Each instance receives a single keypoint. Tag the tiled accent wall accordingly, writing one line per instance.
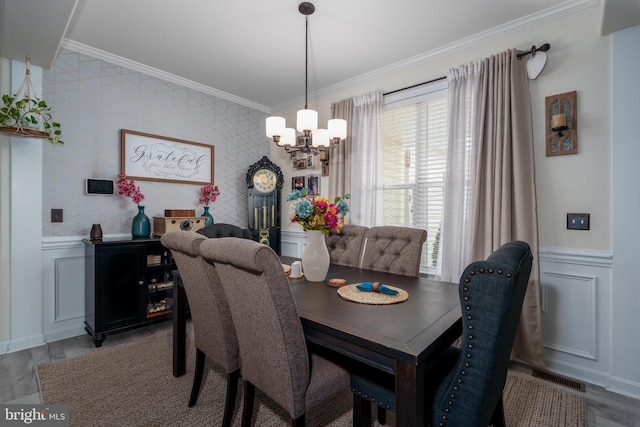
(93, 100)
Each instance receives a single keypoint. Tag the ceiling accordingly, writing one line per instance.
(253, 51)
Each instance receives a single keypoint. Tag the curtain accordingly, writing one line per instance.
(496, 202)
(463, 99)
(366, 140)
(340, 157)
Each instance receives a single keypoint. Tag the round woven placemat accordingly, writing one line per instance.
(352, 293)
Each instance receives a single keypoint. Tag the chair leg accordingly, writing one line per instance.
(382, 416)
(197, 377)
(497, 418)
(249, 394)
(298, 422)
(230, 404)
(361, 412)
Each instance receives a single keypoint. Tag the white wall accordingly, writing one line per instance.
(579, 60)
(42, 298)
(588, 320)
(25, 222)
(626, 205)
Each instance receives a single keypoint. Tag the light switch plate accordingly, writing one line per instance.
(578, 221)
(56, 215)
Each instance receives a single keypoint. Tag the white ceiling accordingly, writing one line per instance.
(254, 50)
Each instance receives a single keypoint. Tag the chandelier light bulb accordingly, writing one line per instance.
(275, 126)
(337, 128)
(288, 138)
(307, 120)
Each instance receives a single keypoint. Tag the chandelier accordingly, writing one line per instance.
(312, 140)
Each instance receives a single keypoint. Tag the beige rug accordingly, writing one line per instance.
(132, 385)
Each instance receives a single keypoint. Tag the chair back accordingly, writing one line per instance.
(345, 248)
(491, 296)
(225, 230)
(394, 249)
(213, 328)
(270, 336)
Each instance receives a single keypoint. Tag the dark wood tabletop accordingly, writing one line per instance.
(402, 339)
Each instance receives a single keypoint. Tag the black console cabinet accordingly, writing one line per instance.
(129, 284)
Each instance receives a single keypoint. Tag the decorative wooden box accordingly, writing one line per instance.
(180, 213)
(163, 224)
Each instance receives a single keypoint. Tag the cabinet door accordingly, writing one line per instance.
(119, 281)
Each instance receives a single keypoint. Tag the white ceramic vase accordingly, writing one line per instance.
(315, 257)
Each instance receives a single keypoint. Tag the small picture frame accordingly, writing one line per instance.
(300, 142)
(297, 183)
(325, 169)
(300, 164)
(313, 184)
(310, 161)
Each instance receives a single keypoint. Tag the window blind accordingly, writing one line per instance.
(414, 160)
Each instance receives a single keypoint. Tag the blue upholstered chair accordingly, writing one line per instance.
(464, 387)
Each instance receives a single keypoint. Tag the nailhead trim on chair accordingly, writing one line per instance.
(467, 365)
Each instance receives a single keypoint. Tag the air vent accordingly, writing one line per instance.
(557, 379)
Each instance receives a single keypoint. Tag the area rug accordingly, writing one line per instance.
(132, 385)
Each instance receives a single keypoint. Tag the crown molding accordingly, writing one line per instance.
(154, 72)
(549, 14)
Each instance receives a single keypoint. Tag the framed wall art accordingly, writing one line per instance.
(159, 158)
(313, 184)
(297, 183)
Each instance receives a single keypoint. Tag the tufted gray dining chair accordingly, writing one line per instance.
(345, 248)
(272, 344)
(225, 230)
(394, 249)
(213, 330)
(464, 387)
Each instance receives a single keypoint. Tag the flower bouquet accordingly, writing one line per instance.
(317, 213)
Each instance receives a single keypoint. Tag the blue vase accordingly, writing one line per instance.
(141, 226)
(208, 219)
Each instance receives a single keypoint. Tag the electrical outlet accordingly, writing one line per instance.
(578, 221)
(56, 215)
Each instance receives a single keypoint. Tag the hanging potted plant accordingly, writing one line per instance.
(25, 115)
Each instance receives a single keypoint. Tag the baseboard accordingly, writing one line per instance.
(64, 333)
(624, 387)
(577, 372)
(25, 343)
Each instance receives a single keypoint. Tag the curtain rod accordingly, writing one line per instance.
(545, 47)
(416, 85)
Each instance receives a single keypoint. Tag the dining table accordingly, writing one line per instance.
(402, 339)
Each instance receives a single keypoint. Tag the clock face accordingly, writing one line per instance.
(264, 180)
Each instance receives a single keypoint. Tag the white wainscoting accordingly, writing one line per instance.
(576, 301)
(292, 243)
(63, 288)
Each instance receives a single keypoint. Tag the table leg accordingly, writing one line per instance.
(410, 407)
(179, 326)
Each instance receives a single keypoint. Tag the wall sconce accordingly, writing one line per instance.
(561, 122)
(324, 157)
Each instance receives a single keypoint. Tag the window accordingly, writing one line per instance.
(414, 125)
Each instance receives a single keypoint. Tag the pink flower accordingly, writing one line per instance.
(128, 188)
(208, 193)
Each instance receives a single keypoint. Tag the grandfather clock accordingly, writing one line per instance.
(264, 180)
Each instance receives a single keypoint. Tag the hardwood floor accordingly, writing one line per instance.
(18, 382)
